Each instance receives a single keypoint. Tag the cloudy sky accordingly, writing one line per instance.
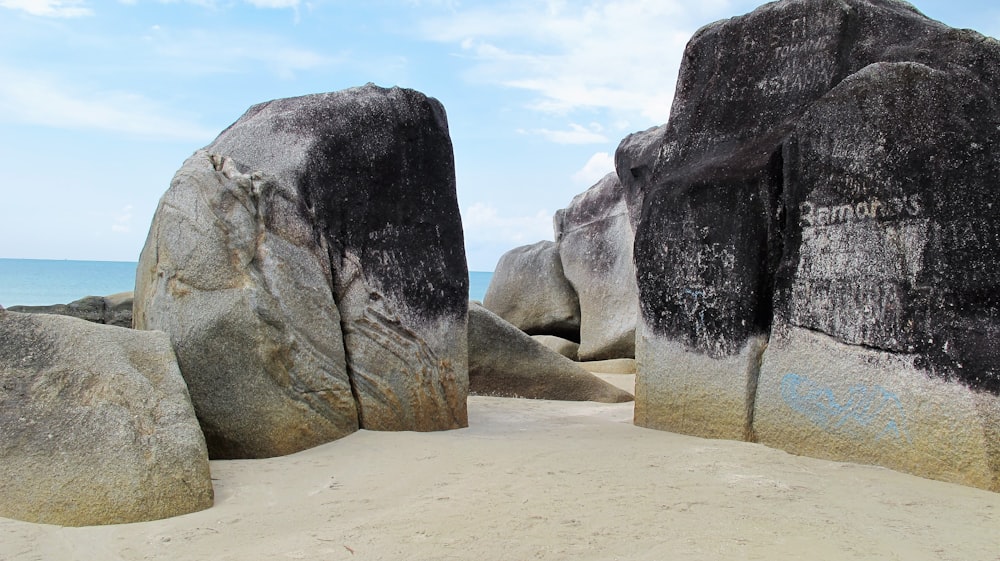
(101, 101)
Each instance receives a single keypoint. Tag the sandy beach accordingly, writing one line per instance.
(532, 479)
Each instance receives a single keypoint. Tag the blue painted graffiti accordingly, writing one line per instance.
(864, 412)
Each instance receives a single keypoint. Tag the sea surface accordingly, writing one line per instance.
(42, 282)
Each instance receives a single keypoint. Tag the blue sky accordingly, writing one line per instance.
(101, 101)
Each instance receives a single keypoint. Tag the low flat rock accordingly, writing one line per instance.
(506, 362)
(115, 309)
(96, 425)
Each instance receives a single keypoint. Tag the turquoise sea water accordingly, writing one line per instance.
(41, 282)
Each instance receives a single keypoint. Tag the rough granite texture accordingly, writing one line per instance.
(828, 171)
(96, 426)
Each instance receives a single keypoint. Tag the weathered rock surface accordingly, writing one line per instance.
(96, 426)
(815, 254)
(565, 347)
(245, 294)
(610, 366)
(115, 309)
(595, 241)
(310, 269)
(529, 289)
(506, 362)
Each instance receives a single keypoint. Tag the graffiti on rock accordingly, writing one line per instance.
(865, 412)
(908, 206)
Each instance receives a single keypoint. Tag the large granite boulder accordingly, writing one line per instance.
(309, 267)
(96, 426)
(529, 289)
(506, 362)
(115, 309)
(815, 254)
(595, 240)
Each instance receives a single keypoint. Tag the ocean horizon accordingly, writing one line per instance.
(43, 282)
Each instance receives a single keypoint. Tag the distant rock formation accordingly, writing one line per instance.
(530, 290)
(96, 426)
(115, 309)
(565, 347)
(595, 241)
(309, 267)
(582, 286)
(506, 362)
(817, 240)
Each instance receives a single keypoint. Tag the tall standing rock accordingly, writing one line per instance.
(309, 265)
(595, 240)
(814, 249)
(890, 274)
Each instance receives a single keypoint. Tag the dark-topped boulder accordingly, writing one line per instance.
(595, 241)
(309, 266)
(96, 426)
(115, 309)
(530, 290)
(506, 362)
(815, 258)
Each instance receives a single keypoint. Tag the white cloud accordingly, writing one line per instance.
(49, 8)
(435, 3)
(577, 134)
(274, 3)
(232, 53)
(32, 98)
(599, 165)
(621, 56)
(483, 223)
(226, 4)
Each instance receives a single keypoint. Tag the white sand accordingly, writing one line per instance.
(546, 480)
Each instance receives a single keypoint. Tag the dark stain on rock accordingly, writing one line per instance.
(381, 184)
(831, 164)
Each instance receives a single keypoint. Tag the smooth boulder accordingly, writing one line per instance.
(530, 290)
(595, 241)
(96, 425)
(506, 362)
(565, 347)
